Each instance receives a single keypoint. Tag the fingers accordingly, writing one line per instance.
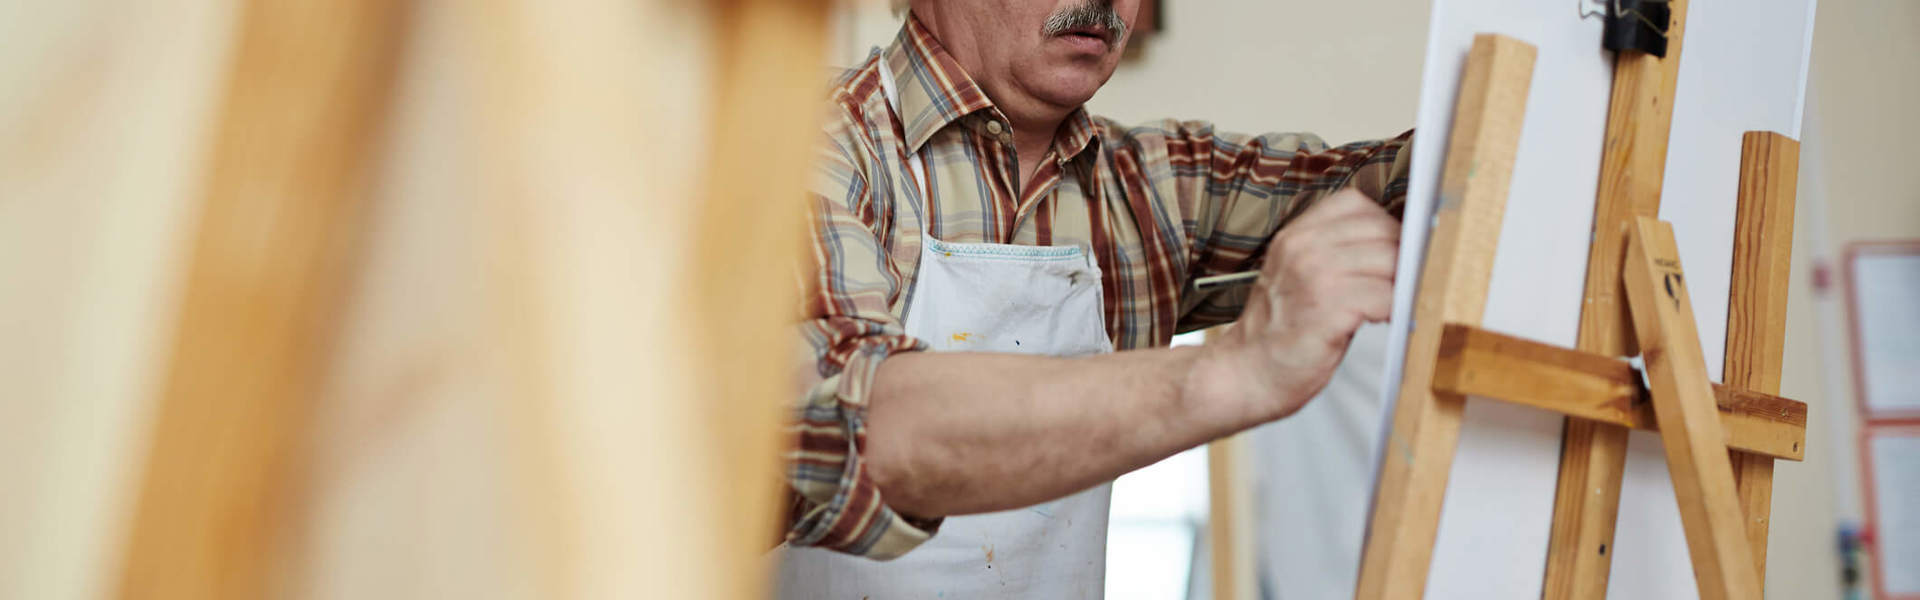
(1361, 246)
(1329, 271)
(1344, 218)
(1358, 229)
(1342, 204)
(1374, 260)
(1372, 298)
(1357, 301)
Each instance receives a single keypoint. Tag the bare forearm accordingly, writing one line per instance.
(962, 433)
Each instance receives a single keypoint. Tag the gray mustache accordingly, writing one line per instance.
(1093, 13)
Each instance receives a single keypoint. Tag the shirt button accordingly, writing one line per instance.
(994, 127)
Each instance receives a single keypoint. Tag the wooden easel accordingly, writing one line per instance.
(1593, 455)
(1634, 262)
(305, 131)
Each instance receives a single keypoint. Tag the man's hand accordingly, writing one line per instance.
(1325, 274)
(959, 433)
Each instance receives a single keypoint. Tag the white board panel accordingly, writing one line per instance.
(1886, 288)
(1743, 68)
(1895, 459)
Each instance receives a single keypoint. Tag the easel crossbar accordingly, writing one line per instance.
(1478, 362)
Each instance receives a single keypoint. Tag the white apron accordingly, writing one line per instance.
(986, 298)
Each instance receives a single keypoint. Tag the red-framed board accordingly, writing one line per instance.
(1883, 318)
(1883, 313)
(1890, 469)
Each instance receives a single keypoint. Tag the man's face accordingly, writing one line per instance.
(1056, 51)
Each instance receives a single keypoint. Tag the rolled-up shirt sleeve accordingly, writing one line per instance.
(846, 330)
(1235, 191)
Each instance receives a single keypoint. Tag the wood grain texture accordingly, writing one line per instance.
(1586, 503)
(1453, 288)
(1230, 526)
(1697, 460)
(766, 107)
(287, 179)
(651, 158)
(1757, 305)
(1632, 167)
(1478, 362)
(1593, 456)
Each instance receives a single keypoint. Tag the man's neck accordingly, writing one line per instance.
(1031, 145)
(1034, 121)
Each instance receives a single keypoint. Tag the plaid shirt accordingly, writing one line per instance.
(1159, 205)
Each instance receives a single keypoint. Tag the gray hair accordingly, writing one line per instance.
(1091, 13)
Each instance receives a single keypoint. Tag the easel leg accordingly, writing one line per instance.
(286, 185)
(1230, 526)
(1593, 459)
(1453, 288)
(1757, 305)
(1689, 420)
(1593, 455)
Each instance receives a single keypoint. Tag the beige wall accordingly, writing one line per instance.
(1344, 70)
(1350, 70)
(1856, 184)
(1250, 66)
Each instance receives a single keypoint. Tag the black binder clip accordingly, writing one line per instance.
(1638, 25)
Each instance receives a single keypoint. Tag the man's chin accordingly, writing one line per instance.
(1070, 87)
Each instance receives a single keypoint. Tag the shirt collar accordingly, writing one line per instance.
(935, 91)
(1076, 135)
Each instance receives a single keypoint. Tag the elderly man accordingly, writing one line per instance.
(982, 246)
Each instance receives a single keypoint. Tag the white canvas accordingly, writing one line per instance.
(1743, 67)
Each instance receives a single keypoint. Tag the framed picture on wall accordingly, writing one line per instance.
(1891, 462)
(1883, 309)
(1151, 20)
(1152, 17)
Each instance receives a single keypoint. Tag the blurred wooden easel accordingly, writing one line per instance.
(619, 353)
